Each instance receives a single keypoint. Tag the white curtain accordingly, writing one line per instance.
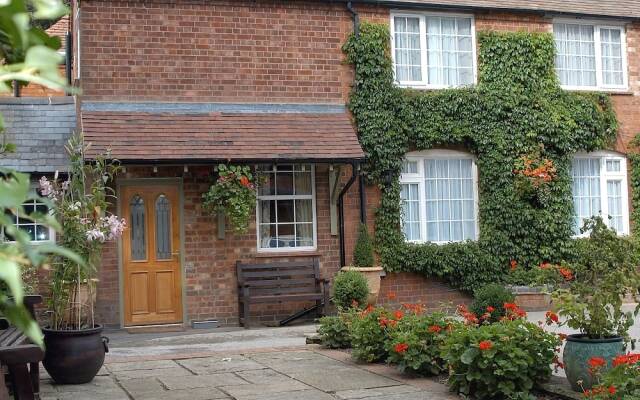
(449, 51)
(411, 211)
(614, 202)
(611, 49)
(449, 200)
(407, 49)
(576, 56)
(586, 190)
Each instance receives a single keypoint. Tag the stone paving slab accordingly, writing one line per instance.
(357, 394)
(245, 392)
(148, 373)
(312, 394)
(212, 365)
(132, 366)
(201, 381)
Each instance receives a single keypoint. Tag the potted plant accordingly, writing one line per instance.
(589, 297)
(73, 340)
(234, 195)
(364, 262)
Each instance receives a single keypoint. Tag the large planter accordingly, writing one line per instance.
(531, 298)
(578, 351)
(73, 357)
(373, 275)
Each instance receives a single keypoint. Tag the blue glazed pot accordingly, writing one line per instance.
(577, 352)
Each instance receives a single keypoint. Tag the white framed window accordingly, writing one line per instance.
(38, 233)
(433, 50)
(600, 188)
(590, 55)
(439, 192)
(286, 209)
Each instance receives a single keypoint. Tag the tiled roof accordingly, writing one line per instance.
(607, 8)
(59, 29)
(40, 128)
(148, 137)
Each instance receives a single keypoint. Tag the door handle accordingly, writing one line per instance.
(176, 253)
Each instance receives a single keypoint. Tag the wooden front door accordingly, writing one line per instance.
(151, 257)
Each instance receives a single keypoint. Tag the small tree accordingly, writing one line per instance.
(363, 251)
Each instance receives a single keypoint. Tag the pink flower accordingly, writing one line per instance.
(95, 234)
(45, 187)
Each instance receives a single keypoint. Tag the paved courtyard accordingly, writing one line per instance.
(292, 374)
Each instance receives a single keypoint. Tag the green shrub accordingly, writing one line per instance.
(498, 361)
(415, 344)
(334, 331)
(369, 334)
(350, 287)
(493, 295)
(622, 382)
(363, 250)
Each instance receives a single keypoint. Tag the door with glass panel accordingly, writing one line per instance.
(151, 257)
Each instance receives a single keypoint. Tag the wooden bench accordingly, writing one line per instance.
(278, 283)
(20, 357)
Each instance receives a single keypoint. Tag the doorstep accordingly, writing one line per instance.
(164, 328)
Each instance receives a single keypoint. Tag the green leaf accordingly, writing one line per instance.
(14, 188)
(10, 274)
(469, 355)
(18, 315)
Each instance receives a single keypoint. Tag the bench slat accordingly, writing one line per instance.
(285, 297)
(11, 336)
(275, 274)
(284, 264)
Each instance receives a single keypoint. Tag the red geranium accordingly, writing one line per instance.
(551, 317)
(566, 274)
(485, 345)
(490, 309)
(597, 362)
(514, 265)
(398, 314)
(401, 348)
(434, 329)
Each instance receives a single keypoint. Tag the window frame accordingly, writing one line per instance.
(605, 176)
(52, 232)
(419, 178)
(597, 26)
(422, 16)
(312, 196)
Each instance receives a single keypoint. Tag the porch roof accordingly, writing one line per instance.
(141, 137)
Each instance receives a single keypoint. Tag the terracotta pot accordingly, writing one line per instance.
(74, 356)
(577, 352)
(373, 275)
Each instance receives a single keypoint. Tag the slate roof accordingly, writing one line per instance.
(220, 136)
(40, 128)
(606, 8)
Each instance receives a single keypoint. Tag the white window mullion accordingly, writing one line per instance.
(598, 53)
(423, 50)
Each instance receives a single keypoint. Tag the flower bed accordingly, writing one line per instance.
(484, 360)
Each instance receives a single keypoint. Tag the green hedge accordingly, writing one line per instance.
(516, 107)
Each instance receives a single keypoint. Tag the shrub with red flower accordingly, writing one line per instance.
(234, 195)
(596, 363)
(500, 360)
(423, 335)
(621, 382)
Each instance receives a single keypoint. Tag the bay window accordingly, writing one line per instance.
(439, 197)
(600, 188)
(433, 50)
(286, 214)
(590, 56)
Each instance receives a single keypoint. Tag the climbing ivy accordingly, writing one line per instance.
(516, 108)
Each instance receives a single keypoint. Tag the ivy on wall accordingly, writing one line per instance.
(516, 108)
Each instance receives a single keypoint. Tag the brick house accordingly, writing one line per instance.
(175, 87)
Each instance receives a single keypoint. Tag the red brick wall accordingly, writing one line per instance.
(223, 51)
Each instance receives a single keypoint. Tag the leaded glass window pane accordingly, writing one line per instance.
(408, 63)
(586, 190)
(163, 228)
(138, 229)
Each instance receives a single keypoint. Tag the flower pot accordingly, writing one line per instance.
(578, 351)
(74, 356)
(373, 275)
(531, 298)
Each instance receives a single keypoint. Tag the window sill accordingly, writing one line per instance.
(621, 92)
(276, 254)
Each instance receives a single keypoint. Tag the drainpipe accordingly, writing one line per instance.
(68, 53)
(356, 18)
(363, 199)
(354, 174)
